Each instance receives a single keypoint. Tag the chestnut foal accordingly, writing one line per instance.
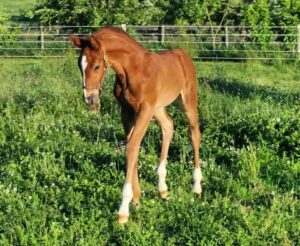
(146, 83)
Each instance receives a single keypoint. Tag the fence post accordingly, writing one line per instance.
(213, 37)
(123, 26)
(162, 34)
(226, 37)
(298, 40)
(42, 38)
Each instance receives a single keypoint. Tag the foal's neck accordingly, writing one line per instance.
(124, 56)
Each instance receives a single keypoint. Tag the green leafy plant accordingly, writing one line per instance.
(62, 169)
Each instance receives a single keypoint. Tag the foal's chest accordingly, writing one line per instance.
(125, 96)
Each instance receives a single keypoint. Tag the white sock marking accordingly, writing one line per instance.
(162, 173)
(197, 176)
(127, 197)
(83, 67)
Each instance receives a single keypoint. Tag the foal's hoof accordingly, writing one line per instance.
(136, 203)
(197, 189)
(164, 194)
(122, 219)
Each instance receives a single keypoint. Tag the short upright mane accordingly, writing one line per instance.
(118, 32)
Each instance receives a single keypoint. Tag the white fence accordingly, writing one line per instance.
(202, 42)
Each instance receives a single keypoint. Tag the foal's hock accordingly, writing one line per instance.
(146, 82)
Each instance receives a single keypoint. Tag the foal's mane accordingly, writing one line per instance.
(116, 31)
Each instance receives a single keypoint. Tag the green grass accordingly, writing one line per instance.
(62, 169)
(285, 77)
(15, 10)
(14, 7)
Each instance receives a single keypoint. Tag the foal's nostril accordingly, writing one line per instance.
(93, 102)
(94, 99)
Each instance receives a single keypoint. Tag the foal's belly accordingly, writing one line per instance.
(168, 90)
(166, 97)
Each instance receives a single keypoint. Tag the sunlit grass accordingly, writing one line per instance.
(14, 7)
(280, 75)
(62, 169)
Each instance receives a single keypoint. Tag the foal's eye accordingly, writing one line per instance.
(97, 67)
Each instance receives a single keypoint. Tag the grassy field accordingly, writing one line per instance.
(62, 169)
(14, 7)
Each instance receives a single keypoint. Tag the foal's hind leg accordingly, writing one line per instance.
(188, 99)
(167, 129)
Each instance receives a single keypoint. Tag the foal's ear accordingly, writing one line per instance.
(75, 40)
(82, 42)
(95, 44)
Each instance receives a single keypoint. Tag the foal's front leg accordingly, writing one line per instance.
(132, 149)
(128, 119)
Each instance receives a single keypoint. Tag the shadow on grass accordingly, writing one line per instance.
(247, 90)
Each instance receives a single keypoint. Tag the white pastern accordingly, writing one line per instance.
(127, 197)
(83, 67)
(162, 173)
(197, 176)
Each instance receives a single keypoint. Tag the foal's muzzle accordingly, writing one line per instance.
(93, 102)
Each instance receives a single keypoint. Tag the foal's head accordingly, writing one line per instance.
(92, 63)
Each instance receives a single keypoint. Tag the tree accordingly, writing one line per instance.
(257, 15)
(5, 34)
(97, 12)
(286, 13)
(188, 12)
(216, 14)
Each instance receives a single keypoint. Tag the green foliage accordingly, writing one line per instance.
(62, 169)
(181, 12)
(258, 14)
(97, 12)
(182, 40)
(233, 12)
(3, 16)
(5, 33)
(286, 14)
